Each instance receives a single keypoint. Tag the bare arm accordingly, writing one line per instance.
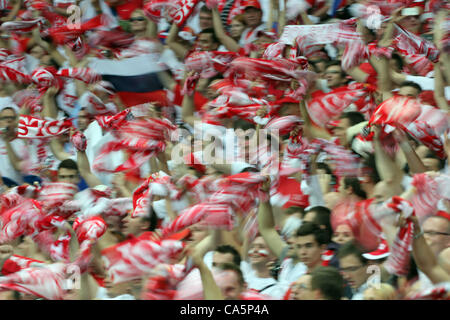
(415, 164)
(425, 258)
(180, 50)
(211, 290)
(12, 14)
(85, 170)
(48, 100)
(57, 148)
(219, 30)
(386, 166)
(439, 87)
(266, 226)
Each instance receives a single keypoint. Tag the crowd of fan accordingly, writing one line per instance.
(121, 201)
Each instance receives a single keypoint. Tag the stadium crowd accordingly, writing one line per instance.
(224, 149)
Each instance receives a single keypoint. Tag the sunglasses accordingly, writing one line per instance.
(137, 19)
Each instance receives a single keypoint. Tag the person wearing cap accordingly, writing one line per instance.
(411, 17)
(253, 19)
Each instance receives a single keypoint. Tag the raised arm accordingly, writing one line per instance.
(219, 30)
(266, 225)
(424, 257)
(415, 164)
(211, 290)
(386, 166)
(180, 50)
(85, 170)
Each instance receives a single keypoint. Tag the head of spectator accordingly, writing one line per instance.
(237, 27)
(83, 119)
(342, 234)
(334, 75)
(138, 22)
(259, 254)
(321, 216)
(301, 289)
(409, 89)
(205, 18)
(197, 233)
(310, 242)
(346, 120)
(252, 13)
(436, 231)
(226, 254)
(9, 120)
(207, 40)
(411, 19)
(264, 38)
(381, 291)
(432, 162)
(350, 188)
(68, 172)
(327, 283)
(353, 265)
(135, 226)
(234, 284)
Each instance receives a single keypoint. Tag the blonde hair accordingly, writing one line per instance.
(382, 292)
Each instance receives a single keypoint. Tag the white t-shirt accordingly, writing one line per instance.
(95, 141)
(268, 286)
(249, 35)
(102, 294)
(6, 167)
(290, 272)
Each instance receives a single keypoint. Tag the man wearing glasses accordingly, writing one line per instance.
(353, 267)
(436, 231)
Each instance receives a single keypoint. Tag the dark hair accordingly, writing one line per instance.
(369, 162)
(328, 281)
(205, 9)
(338, 64)
(294, 209)
(68, 164)
(311, 228)
(351, 248)
(322, 218)
(235, 268)
(432, 155)
(398, 60)
(213, 34)
(230, 249)
(356, 186)
(353, 117)
(411, 84)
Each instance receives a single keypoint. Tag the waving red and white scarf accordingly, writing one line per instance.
(86, 75)
(31, 127)
(47, 282)
(399, 260)
(327, 107)
(142, 138)
(133, 258)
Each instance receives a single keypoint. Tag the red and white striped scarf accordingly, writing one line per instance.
(329, 106)
(398, 261)
(21, 27)
(31, 127)
(217, 215)
(132, 259)
(141, 138)
(429, 191)
(47, 282)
